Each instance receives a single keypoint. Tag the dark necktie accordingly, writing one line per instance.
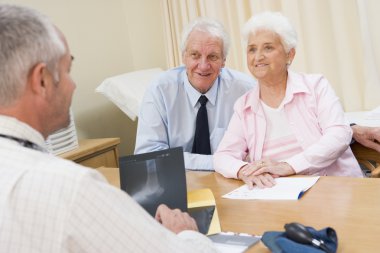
(201, 143)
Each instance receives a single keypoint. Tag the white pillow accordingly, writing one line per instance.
(126, 91)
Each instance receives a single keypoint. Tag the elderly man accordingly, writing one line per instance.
(190, 106)
(49, 204)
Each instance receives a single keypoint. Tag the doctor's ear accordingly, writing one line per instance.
(38, 77)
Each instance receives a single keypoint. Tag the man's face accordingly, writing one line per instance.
(203, 59)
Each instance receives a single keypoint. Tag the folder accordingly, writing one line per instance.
(204, 198)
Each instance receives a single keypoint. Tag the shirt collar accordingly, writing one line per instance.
(13, 127)
(295, 84)
(194, 95)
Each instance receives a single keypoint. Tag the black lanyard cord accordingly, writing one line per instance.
(23, 142)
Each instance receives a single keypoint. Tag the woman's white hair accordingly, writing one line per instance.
(274, 22)
(207, 25)
(27, 38)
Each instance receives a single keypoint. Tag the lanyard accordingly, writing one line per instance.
(23, 142)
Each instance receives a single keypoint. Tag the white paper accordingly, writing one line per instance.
(285, 189)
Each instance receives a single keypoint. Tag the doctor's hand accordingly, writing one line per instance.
(174, 219)
(264, 180)
(367, 136)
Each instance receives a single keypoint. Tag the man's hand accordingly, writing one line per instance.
(175, 220)
(367, 136)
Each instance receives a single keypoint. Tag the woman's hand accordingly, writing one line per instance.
(263, 172)
(262, 181)
(279, 169)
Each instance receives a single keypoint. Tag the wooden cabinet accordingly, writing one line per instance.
(95, 153)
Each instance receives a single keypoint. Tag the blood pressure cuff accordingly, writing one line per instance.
(277, 242)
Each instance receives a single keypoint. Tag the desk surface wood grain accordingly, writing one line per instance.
(350, 205)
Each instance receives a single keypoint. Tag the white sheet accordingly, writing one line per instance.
(285, 189)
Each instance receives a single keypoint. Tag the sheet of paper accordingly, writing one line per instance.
(286, 188)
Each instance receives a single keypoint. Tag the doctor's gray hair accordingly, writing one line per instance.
(27, 38)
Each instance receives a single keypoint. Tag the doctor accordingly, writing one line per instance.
(53, 205)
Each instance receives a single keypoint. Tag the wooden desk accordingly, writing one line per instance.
(95, 153)
(350, 205)
(363, 155)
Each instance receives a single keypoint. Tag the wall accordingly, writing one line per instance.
(106, 38)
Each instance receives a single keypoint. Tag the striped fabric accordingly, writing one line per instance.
(281, 148)
(280, 143)
(48, 204)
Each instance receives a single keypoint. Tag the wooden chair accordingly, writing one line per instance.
(368, 158)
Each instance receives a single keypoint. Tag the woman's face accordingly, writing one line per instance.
(266, 56)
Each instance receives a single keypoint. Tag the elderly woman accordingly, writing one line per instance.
(291, 123)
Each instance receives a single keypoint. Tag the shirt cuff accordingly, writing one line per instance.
(352, 139)
(230, 169)
(298, 163)
(198, 162)
(203, 244)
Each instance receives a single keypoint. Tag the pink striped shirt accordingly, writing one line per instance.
(280, 143)
(316, 119)
(281, 148)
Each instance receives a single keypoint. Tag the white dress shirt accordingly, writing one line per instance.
(48, 204)
(169, 110)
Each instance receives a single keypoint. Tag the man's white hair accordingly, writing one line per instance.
(207, 25)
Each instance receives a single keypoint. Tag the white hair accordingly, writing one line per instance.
(210, 26)
(27, 38)
(274, 22)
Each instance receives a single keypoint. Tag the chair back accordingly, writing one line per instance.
(368, 159)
